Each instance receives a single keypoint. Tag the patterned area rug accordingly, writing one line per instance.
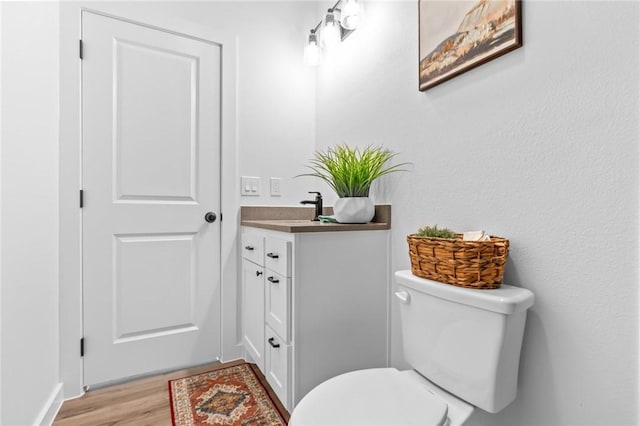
(228, 396)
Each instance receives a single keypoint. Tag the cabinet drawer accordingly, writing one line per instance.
(253, 247)
(277, 365)
(277, 303)
(278, 255)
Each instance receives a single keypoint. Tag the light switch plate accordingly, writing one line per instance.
(276, 187)
(249, 186)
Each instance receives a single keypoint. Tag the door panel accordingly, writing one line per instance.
(167, 262)
(149, 164)
(151, 170)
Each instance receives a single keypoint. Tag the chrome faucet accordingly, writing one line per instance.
(318, 204)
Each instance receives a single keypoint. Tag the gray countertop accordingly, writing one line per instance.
(298, 219)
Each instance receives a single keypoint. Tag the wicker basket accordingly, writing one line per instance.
(474, 264)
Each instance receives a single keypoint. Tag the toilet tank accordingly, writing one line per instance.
(466, 341)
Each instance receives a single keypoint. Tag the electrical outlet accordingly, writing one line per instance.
(250, 186)
(275, 187)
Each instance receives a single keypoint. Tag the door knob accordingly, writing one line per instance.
(210, 217)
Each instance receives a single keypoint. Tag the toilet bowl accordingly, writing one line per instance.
(463, 345)
(379, 396)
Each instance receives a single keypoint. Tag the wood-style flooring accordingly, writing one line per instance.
(141, 402)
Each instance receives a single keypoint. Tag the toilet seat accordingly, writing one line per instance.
(380, 396)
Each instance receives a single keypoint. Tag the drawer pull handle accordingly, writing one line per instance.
(250, 248)
(272, 255)
(273, 280)
(258, 273)
(274, 345)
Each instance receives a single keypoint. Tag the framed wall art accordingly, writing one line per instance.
(457, 35)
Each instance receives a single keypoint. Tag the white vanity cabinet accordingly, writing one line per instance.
(325, 305)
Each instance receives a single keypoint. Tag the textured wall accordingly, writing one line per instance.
(540, 146)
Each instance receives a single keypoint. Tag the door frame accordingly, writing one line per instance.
(70, 183)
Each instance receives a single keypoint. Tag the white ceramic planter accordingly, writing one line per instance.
(354, 210)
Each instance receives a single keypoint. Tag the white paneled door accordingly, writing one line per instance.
(151, 174)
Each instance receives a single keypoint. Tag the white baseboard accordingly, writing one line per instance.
(51, 407)
(232, 353)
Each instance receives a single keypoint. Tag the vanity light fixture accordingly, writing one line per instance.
(350, 15)
(330, 31)
(339, 21)
(312, 51)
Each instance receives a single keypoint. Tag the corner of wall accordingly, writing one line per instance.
(51, 407)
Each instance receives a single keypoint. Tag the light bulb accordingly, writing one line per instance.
(330, 31)
(312, 52)
(350, 16)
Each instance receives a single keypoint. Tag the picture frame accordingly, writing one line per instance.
(458, 35)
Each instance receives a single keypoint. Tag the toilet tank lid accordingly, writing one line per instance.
(505, 300)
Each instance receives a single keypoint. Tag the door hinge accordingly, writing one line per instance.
(80, 49)
(81, 198)
(82, 347)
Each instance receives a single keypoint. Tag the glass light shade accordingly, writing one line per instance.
(330, 31)
(312, 52)
(351, 15)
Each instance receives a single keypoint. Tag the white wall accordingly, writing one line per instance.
(29, 221)
(540, 146)
(275, 90)
(1, 102)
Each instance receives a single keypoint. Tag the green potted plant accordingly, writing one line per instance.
(435, 232)
(350, 172)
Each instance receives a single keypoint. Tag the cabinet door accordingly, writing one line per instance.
(253, 311)
(277, 365)
(277, 303)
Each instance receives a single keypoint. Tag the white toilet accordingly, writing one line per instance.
(464, 345)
